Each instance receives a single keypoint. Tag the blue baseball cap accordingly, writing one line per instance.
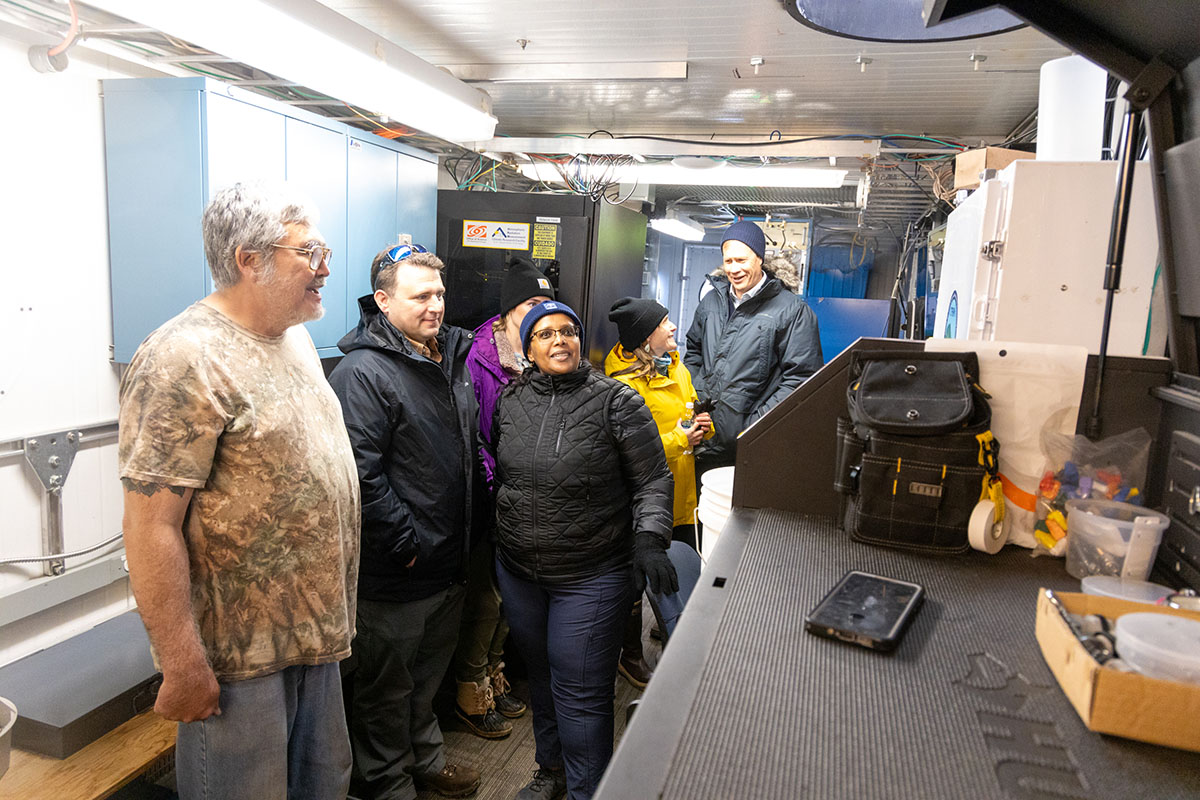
(543, 309)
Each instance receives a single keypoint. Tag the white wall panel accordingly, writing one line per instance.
(55, 326)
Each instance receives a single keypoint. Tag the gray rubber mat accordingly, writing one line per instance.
(964, 708)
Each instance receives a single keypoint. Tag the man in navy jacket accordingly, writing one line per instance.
(750, 344)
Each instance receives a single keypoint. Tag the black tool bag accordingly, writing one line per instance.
(916, 452)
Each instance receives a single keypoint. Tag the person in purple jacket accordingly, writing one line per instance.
(495, 358)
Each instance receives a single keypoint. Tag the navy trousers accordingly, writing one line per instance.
(570, 637)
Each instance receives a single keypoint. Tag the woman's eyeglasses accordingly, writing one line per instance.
(403, 251)
(317, 254)
(546, 334)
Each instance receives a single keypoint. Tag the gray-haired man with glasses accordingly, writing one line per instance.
(242, 513)
(413, 422)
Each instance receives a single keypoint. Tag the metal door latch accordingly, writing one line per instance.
(992, 250)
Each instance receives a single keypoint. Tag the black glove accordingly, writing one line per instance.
(652, 565)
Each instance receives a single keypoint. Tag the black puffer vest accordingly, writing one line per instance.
(580, 469)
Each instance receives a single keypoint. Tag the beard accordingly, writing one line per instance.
(302, 312)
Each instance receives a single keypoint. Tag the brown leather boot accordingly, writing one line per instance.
(455, 780)
(633, 666)
(477, 709)
(507, 704)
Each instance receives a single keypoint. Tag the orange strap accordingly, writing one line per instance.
(1018, 496)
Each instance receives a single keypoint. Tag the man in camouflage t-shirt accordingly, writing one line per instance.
(242, 514)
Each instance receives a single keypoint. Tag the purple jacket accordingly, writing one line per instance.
(489, 379)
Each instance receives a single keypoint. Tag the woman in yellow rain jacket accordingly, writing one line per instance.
(646, 358)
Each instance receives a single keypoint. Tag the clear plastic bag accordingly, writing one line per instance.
(1078, 468)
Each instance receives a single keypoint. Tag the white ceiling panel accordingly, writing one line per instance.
(808, 84)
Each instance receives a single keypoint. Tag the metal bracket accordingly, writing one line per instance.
(51, 456)
(1150, 83)
(992, 250)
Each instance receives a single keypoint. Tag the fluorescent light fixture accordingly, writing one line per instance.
(680, 228)
(721, 174)
(312, 45)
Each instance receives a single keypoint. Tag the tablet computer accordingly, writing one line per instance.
(867, 610)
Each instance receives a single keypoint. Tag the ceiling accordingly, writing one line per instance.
(808, 84)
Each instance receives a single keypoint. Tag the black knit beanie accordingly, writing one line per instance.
(636, 318)
(522, 282)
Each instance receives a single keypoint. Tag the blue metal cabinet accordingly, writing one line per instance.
(316, 165)
(391, 193)
(170, 143)
(372, 205)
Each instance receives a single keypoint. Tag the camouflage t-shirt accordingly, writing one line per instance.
(251, 424)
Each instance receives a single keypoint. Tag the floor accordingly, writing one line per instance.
(505, 765)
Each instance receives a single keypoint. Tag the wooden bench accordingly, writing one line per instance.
(96, 771)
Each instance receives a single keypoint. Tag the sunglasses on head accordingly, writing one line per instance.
(403, 251)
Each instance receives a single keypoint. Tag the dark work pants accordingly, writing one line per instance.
(570, 636)
(403, 650)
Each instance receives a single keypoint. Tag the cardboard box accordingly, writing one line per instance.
(1109, 701)
(968, 165)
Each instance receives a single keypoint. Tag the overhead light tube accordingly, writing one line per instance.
(314, 46)
(721, 174)
(678, 225)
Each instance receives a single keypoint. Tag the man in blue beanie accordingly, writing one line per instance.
(751, 343)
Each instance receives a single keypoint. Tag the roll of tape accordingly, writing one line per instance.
(984, 533)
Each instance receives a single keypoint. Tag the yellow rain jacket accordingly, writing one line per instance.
(665, 396)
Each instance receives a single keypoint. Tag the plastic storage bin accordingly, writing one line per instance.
(1131, 590)
(1105, 537)
(1160, 646)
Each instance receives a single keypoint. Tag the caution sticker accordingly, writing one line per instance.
(545, 240)
(497, 235)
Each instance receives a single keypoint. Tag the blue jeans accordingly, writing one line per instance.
(278, 736)
(570, 637)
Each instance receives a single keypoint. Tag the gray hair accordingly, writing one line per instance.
(253, 217)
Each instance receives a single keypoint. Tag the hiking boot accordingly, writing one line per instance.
(633, 666)
(476, 707)
(635, 669)
(547, 784)
(455, 780)
(508, 705)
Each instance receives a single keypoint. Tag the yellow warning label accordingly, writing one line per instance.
(545, 240)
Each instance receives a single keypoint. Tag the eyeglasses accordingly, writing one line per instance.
(317, 255)
(403, 251)
(546, 334)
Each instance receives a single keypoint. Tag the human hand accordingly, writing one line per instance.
(189, 694)
(704, 421)
(412, 562)
(693, 434)
(652, 565)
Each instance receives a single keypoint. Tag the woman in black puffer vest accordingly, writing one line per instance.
(583, 523)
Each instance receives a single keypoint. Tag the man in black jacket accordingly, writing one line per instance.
(751, 343)
(412, 419)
